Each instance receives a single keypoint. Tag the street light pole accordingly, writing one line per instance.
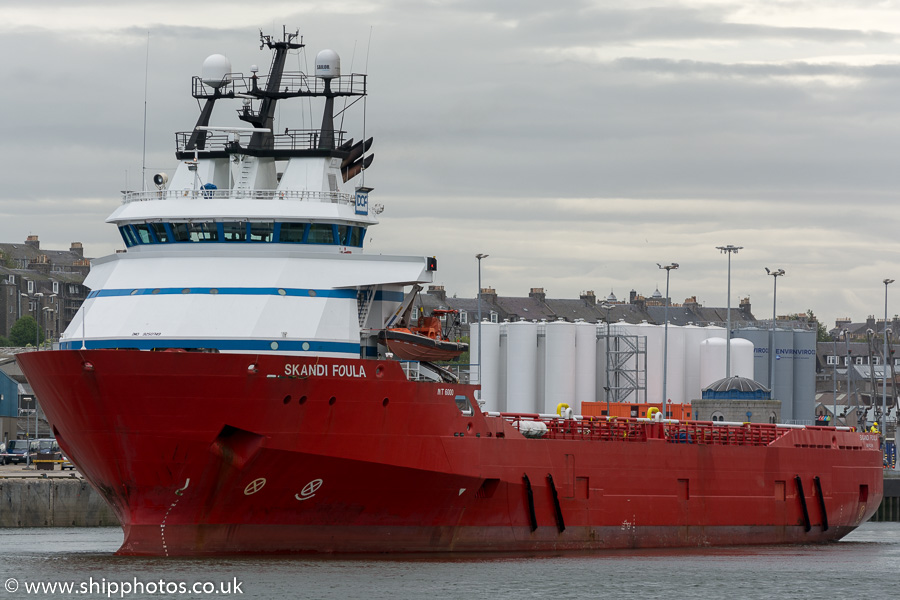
(729, 250)
(775, 275)
(668, 269)
(887, 282)
(479, 257)
(607, 307)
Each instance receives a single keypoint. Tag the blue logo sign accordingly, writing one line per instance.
(362, 202)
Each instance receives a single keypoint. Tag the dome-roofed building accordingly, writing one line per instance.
(736, 388)
(737, 399)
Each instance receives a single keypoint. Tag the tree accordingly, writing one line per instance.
(25, 332)
(4, 342)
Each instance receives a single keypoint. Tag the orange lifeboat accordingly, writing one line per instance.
(425, 341)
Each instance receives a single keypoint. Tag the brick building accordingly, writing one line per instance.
(46, 284)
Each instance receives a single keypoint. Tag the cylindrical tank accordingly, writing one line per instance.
(676, 365)
(490, 362)
(654, 335)
(521, 367)
(761, 340)
(712, 361)
(559, 378)
(693, 337)
(784, 373)
(804, 399)
(585, 365)
(741, 358)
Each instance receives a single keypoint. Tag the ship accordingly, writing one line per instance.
(223, 386)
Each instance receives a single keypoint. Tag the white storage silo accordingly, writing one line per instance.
(541, 362)
(559, 378)
(521, 367)
(654, 335)
(676, 365)
(741, 358)
(712, 361)
(490, 363)
(693, 337)
(585, 365)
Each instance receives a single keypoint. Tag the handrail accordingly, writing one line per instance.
(239, 194)
(639, 430)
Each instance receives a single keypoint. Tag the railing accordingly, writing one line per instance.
(291, 139)
(640, 430)
(240, 194)
(292, 84)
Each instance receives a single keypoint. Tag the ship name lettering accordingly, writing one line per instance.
(320, 370)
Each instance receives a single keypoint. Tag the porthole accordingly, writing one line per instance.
(312, 292)
(186, 291)
(287, 399)
(331, 401)
(385, 402)
(133, 292)
(305, 345)
(213, 291)
(274, 345)
(281, 292)
(302, 400)
(156, 291)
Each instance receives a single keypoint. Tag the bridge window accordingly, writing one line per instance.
(261, 232)
(235, 232)
(292, 233)
(143, 233)
(159, 230)
(243, 231)
(321, 233)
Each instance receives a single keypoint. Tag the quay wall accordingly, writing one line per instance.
(52, 502)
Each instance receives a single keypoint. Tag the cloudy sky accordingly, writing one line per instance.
(577, 143)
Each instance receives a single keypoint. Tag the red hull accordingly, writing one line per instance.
(225, 453)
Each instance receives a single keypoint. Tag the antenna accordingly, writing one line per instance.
(362, 180)
(144, 154)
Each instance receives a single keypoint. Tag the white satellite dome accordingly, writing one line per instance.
(215, 70)
(328, 64)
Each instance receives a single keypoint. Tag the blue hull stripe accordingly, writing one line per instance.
(242, 345)
(346, 294)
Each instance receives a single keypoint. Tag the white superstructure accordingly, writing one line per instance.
(255, 242)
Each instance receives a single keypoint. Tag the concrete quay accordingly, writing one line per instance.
(31, 498)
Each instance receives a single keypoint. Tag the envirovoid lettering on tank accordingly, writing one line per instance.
(324, 370)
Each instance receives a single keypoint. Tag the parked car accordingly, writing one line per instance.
(44, 453)
(66, 464)
(17, 451)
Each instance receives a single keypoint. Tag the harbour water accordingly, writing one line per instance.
(859, 566)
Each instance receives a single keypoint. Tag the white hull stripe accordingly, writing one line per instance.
(231, 345)
(232, 291)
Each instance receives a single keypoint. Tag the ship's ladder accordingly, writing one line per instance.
(246, 172)
(364, 299)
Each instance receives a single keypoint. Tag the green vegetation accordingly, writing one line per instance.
(25, 332)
